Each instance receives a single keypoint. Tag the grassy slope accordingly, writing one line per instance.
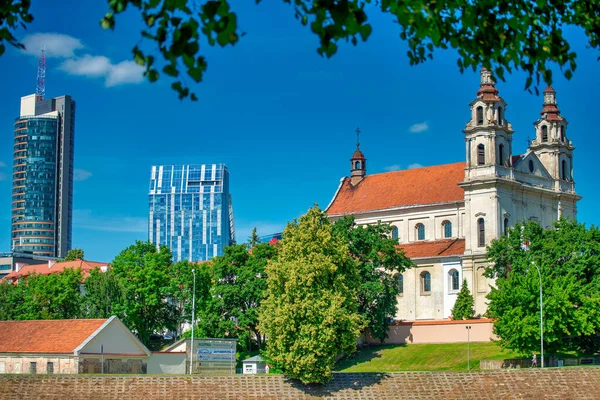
(422, 357)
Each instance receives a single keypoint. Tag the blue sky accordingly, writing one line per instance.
(277, 114)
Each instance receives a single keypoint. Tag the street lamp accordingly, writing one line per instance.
(193, 320)
(468, 327)
(541, 314)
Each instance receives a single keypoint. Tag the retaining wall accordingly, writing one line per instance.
(563, 383)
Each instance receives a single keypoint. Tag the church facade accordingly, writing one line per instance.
(444, 216)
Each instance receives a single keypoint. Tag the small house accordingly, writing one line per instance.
(254, 365)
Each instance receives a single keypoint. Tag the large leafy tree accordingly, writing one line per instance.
(568, 257)
(239, 285)
(144, 273)
(310, 313)
(502, 35)
(182, 290)
(104, 295)
(55, 296)
(379, 261)
(74, 254)
(11, 300)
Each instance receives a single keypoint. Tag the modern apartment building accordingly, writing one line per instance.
(42, 191)
(191, 210)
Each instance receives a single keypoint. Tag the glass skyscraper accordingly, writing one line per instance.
(191, 210)
(42, 190)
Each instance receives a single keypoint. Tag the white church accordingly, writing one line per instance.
(444, 216)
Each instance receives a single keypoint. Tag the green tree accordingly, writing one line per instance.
(568, 257)
(54, 296)
(379, 262)
(310, 313)
(254, 239)
(182, 290)
(104, 295)
(502, 35)
(143, 272)
(11, 300)
(74, 254)
(464, 307)
(239, 287)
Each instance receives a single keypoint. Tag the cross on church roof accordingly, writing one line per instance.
(357, 137)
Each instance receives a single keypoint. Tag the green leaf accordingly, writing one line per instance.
(170, 70)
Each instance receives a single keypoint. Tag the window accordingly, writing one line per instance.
(564, 170)
(479, 115)
(395, 232)
(454, 280)
(50, 367)
(544, 133)
(420, 231)
(499, 115)
(425, 282)
(501, 154)
(32, 367)
(400, 284)
(531, 166)
(481, 232)
(506, 226)
(480, 154)
(447, 225)
(357, 165)
(562, 133)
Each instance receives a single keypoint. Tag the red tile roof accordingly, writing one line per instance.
(49, 336)
(438, 248)
(43, 269)
(419, 186)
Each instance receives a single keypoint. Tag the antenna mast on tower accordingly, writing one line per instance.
(40, 90)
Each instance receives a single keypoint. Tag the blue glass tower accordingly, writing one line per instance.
(42, 189)
(190, 210)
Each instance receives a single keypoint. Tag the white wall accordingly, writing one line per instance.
(116, 340)
(167, 363)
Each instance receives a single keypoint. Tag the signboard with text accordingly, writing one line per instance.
(215, 355)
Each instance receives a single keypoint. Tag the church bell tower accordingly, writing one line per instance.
(358, 163)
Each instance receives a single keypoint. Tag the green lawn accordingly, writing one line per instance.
(422, 357)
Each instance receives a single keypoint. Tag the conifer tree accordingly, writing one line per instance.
(464, 307)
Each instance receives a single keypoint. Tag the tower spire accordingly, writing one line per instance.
(357, 137)
(358, 162)
(40, 90)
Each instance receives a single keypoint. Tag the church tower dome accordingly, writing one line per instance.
(358, 163)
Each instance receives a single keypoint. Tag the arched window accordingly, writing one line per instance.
(395, 232)
(479, 115)
(420, 231)
(481, 232)
(531, 166)
(544, 133)
(400, 284)
(564, 170)
(357, 165)
(506, 226)
(562, 133)
(447, 225)
(425, 282)
(501, 154)
(481, 154)
(454, 280)
(500, 116)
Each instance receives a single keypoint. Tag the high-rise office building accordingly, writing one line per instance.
(191, 210)
(42, 194)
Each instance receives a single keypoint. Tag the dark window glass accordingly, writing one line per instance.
(454, 284)
(500, 116)
(32, 367)
(481, 232)
(420, 232)
(394, 232)
(50, 367)
(426, 282)
(400, 284)
(564, 170)
(447, 229)
(479, 115)
(506, 226)
(562, 133)
(544, 133)
(480, 154)
(501, 154)
(530, 166)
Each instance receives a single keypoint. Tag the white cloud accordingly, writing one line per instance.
(125, 72)
(81, 174)
(56, 44)
(85, 219)
(415, 165)
(394, 167)
(418, 128)
(100, 66)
